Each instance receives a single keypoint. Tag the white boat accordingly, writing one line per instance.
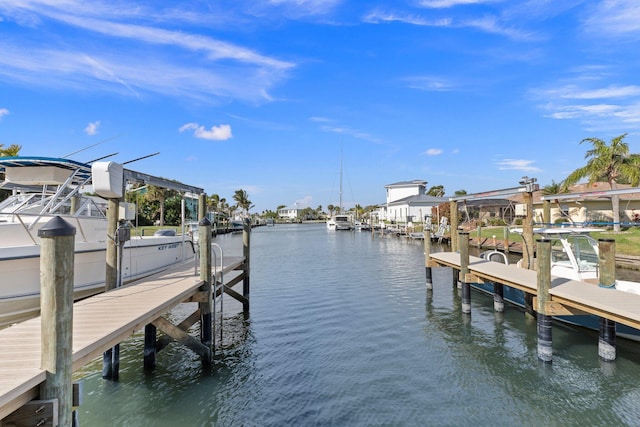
(575, 256)
(43, 188)
(340, 222)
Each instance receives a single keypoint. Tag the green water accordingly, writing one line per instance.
(342, 332)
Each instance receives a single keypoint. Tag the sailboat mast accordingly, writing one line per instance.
(340, 179)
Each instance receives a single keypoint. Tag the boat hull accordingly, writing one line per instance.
(20, 270)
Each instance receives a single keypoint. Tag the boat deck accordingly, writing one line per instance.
(99, 323)
(622, 307)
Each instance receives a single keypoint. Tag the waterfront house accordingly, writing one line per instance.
(407, 202)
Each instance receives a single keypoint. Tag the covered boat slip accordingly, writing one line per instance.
(99, 323)
(568, 297)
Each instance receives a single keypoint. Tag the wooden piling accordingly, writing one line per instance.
(545, 348)
(206, 307)
(150, 339)
(56, 305)
(607, 279)
(546, 212)
(506, 239)
(464, 270)
(246, 251)
(498, 297)
(110, 357)
(453, 226)
(427, 252)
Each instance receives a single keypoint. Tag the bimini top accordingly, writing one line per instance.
(559, 230)
(28, 170)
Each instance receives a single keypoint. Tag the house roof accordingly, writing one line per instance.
(407, 183)
(419, 199)
(583, 188)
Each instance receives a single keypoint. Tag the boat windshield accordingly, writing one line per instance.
(585, 251)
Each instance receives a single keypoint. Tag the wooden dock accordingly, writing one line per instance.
(99, 323)
(568, 297)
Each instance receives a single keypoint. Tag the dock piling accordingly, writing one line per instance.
(464, 270)
(206, 307)
(427, 252)
(607, 279)
(246, 251)
(545, 347)
(56, 305)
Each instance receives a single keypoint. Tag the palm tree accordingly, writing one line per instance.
(242, 200)
(10, 151)
(556, 188)
(436, 191)
(611, 163)
(331, 208)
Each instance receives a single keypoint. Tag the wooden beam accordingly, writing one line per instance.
(34, 413)
(182, 337)
(187, 323)
(235, 295)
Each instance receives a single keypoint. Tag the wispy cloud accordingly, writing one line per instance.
(488, 23)
(430, 83)
(154, 59)
(517, 164)
(328, 125)
(3, 112)
(216, 133)
(612, 107)
(615, 18)
(433, 152)
(443, 4)
(92, 128)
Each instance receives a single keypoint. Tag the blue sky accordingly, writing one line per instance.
(265, 95)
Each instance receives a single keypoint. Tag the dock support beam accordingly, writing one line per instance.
(56, 305)
(545, 347)
(246, 251)
(464, 270)
(607, 268)
(111, 357)
(150, 338)
(206, 308)
(427, 258)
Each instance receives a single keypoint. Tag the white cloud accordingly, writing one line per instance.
(615, 17)
(92, 128)
(518, 164)
(216, 133)
(198, 66)
(430, 83)
(443, 4)
(3, 112)
(433, 151)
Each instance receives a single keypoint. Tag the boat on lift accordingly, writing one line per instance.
(575, 256)
(43, 188)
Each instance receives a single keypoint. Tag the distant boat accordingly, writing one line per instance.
(44, 188)
(270, 222)
(340, 220)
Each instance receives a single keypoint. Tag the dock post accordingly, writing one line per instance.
(506, 240)
(545, 347)
(427, 258)
(246, 251)
(150, 339)
(56, 305)
(464, 270)
(498, 297)
(546, 213)
(111, 357)
(206, 308)
(479, 235)
(607, 279)
(453, 212)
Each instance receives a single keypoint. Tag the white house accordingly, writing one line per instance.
(407, 202)
(291, 213)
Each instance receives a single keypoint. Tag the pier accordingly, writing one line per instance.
(38, 356)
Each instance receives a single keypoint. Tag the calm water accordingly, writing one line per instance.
(343, 333)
